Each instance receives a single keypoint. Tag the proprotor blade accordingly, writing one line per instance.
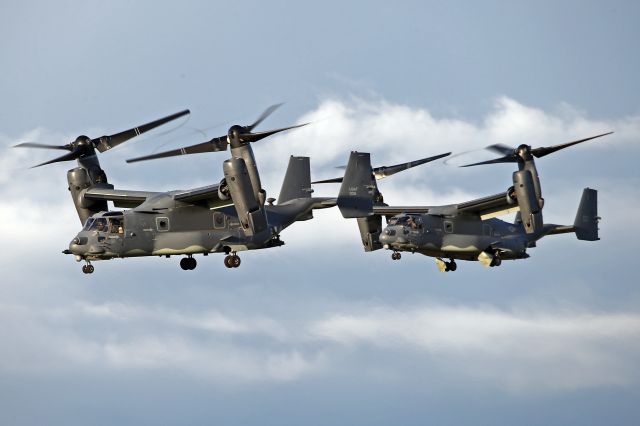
(501, 149)
(105, 143)
(237, 135)
(334, 180)
(385, 171)
(382, 172)
(509, 159)
(69, 156)
(267, 112)
(213, 145)
(542, 151)
(254, 137)
(40, 145)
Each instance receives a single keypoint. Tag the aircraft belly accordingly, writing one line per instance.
(189, 242)
(463, 243)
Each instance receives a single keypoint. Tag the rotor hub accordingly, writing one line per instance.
(234, 132)
(524, 152)
(82, 141)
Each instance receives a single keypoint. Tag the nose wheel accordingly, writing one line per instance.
(396, 255)
(232, 260)
(88, 268)
(188, 263)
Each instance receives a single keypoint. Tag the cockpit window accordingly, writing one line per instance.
(414, 222)
(97, 224)
(101, 224)
(116, 226)
(88, 224)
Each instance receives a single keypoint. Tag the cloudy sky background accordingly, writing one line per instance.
(318, 331)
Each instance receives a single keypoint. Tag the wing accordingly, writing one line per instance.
(208, 194)
(485, 207)
(130, 199)
(491, 206)
(119, 197)
(394, 210)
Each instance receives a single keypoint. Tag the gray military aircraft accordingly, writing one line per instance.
(469, 230)
(227, 217)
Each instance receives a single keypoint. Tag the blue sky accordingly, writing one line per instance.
(318, 331)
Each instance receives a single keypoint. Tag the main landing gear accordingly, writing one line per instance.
(88, 268)
(188, 263)
(443, 266)
(232, 260)
(451, 265)
(396, 255)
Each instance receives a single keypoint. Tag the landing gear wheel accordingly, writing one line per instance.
(188, 263)
(88, 269)
(496, 261)
(184, 263)
(396, 256)
(191, 263)
(232, 261)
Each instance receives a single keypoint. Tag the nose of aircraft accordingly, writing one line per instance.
(391, 235)
(78, 245)
(386, 237)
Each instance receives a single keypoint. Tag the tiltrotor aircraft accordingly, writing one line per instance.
(469, 230)
(227, 217)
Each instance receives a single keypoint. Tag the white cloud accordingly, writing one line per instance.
(511, 350)
(209, 344)
(395, 132)
(521, 351)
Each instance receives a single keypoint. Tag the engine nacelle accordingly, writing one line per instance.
(370, 229)
(250, 212)
(79, 181)
(223, 190)
(530, 210)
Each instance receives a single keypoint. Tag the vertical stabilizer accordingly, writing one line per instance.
(358, 186)
(586, 222)
(297, 180)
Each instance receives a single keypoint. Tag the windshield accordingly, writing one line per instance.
(97, 224)
(88, 223)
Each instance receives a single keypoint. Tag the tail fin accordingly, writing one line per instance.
(355, 198)
(297, 180)
(586, 223)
